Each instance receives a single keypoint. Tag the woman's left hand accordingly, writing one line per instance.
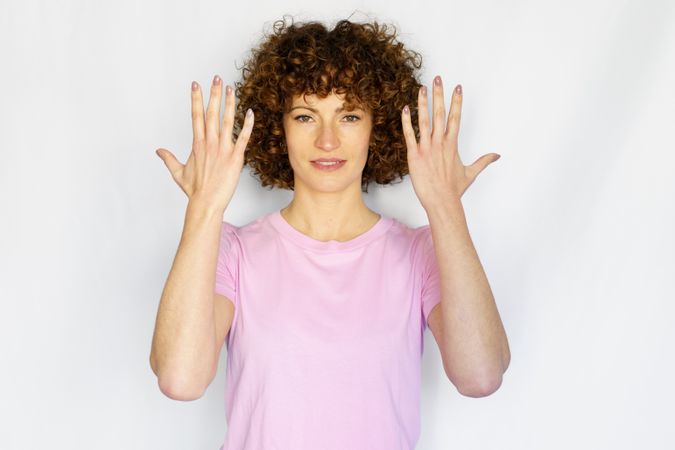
(438, 175)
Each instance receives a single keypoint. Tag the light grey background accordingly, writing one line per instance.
(574, 224)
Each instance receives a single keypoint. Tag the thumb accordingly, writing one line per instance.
(169, 160)
(481, 163)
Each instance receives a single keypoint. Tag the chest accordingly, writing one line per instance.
(348, 305)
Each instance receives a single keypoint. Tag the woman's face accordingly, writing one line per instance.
(320, 129)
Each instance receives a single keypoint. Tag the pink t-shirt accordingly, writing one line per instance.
(326, 342)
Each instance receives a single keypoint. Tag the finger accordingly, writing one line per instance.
(197, 114)
(245, 134)
(228, 120)
(170, 161)
(423, 116)
(213, 110)
(480, 164)
(438, 110)
(455, 113)
(408, 131)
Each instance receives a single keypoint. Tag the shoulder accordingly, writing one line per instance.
(256, 231)
(414, 234)
(246, 227)
(414, 241)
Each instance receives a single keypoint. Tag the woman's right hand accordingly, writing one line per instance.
(212, 171)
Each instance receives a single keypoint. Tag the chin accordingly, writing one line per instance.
(328, 184)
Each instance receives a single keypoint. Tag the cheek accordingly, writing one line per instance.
(296, 138)
(366, 147)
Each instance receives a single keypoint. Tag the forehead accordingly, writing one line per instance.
(331, 101)
(314, 99)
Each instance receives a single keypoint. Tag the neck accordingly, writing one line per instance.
(339, 220)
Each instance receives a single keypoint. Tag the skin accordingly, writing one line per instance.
(466, 323)
(327, 205)
(192, 322)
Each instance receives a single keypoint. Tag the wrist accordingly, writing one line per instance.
(451, 210)
(204, 209)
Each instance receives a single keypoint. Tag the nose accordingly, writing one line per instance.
(327, 138)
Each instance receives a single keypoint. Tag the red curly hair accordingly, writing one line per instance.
(363, 61)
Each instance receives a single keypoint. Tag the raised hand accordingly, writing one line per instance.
(212, 171)
(436, 171)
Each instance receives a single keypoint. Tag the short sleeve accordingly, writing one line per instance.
(431, 286)
(227, 265)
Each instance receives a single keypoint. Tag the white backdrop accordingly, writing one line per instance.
(574, 224)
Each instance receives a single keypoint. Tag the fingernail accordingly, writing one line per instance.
(424, 90)
(195, 86)
(249, 112)
(458, 89)
(437, 80)
(406, 110)
(216, 80)
(498, 156)
(228, 90)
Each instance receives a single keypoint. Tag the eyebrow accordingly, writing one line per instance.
(316, 111)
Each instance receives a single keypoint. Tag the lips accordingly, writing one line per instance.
(327, 160)
(328, 164)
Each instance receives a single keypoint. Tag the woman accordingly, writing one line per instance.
(323, 304)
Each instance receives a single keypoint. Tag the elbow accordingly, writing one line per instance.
(180, 391)
(479, 383)
(480, 389)
(153, 364)
(506, 356)
(182, 386)
(506, 361)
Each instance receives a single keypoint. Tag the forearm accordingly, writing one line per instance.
(184, 341)
(475, 348)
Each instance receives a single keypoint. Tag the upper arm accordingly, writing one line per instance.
(223, 313)
(434, 322)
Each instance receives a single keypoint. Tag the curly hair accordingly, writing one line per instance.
(361, 61)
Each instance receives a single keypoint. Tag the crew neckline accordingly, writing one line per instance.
(289, 232)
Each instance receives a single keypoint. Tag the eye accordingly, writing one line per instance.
(351, 118)
(301, 115)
